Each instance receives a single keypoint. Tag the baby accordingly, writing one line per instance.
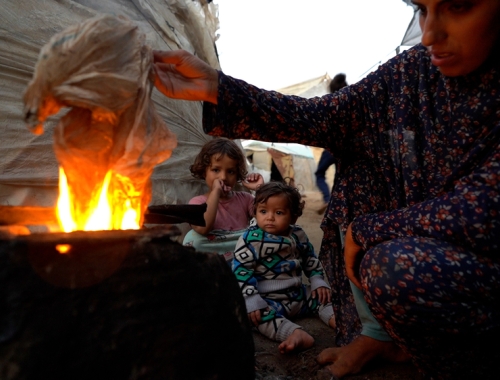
(268, 262)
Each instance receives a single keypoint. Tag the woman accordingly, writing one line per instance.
(416, 198)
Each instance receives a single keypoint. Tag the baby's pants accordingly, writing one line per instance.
(288, 304)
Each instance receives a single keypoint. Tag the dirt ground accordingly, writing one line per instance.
(271, 365)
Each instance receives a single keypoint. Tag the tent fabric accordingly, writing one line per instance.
(310, 88)
(294, 161)
(28, 168)
(284, 163)
(413, 33)
(288, 148)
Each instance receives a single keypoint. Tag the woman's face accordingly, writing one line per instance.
(459, 34)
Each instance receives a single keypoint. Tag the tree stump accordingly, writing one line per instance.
(152, 309)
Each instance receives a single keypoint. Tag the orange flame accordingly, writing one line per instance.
(107, 210)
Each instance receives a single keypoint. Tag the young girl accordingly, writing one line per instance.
(269, 259)
(222, 165)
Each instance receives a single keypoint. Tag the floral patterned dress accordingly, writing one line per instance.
(418, 175)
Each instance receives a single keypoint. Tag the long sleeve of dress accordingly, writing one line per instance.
(468, 215)
(426, 144)
(247, 112)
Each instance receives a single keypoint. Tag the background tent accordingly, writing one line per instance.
(28, 168)
(413, 33)
(310, 88)
(294, 162)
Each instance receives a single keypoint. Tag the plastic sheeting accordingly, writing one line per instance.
(28, 167)
(413, 33)
(299, 157)
(310, 88)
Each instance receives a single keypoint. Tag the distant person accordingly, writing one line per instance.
(221, 163)
(269, 260)
(326, 160)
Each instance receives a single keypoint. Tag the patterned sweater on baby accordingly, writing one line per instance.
(266, 263)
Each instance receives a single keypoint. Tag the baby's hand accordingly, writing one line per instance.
(323, 294)
(254, 317)
(253, 181)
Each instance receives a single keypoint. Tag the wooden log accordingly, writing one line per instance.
(164, 312)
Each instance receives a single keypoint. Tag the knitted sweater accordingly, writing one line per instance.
(266, 263)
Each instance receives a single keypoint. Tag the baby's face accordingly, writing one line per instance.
(274, 216)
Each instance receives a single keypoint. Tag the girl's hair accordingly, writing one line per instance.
(271, 189)
(218, 147)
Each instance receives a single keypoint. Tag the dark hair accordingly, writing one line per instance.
(271, 189)
(337, 82)
(218, 147)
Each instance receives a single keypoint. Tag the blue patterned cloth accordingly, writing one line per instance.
(418, 158)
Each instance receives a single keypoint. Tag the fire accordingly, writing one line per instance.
(111, 207)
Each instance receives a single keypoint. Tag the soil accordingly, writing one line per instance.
(271, 365)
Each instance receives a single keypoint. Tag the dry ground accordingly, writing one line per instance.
(271, 365)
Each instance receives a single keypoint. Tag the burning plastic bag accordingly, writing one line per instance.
(102, 69)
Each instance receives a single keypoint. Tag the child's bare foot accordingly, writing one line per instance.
(352, 358)
(331, 322)
(299, 340)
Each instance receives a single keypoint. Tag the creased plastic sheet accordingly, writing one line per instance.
(102, 69)
(28, 166)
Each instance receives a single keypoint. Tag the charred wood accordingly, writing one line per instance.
(152, 309)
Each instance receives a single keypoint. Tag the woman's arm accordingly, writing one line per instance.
(467, 215)
(247, 112)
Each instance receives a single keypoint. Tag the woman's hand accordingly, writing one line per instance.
(323, 294)
(181, 75)
(352, 257)
(253, 181)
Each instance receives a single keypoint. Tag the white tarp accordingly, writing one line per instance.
(28, 168)
(310, 88)
(413, 34)
(301, 156)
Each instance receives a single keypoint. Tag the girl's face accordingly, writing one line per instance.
(459, 34)
(274, 216)
(222, 168)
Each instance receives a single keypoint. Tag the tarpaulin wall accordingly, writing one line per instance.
(28, 168)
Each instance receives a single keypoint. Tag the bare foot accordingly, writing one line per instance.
(299, 340)
(331, 322)
(352, 358)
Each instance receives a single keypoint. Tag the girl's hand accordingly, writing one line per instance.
(352, 257)
(253, 181)
(221, 187)
(324, 295)
(254, 317)
(181, 75)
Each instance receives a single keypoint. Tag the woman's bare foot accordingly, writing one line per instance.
(352, 358)
(299, 340)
